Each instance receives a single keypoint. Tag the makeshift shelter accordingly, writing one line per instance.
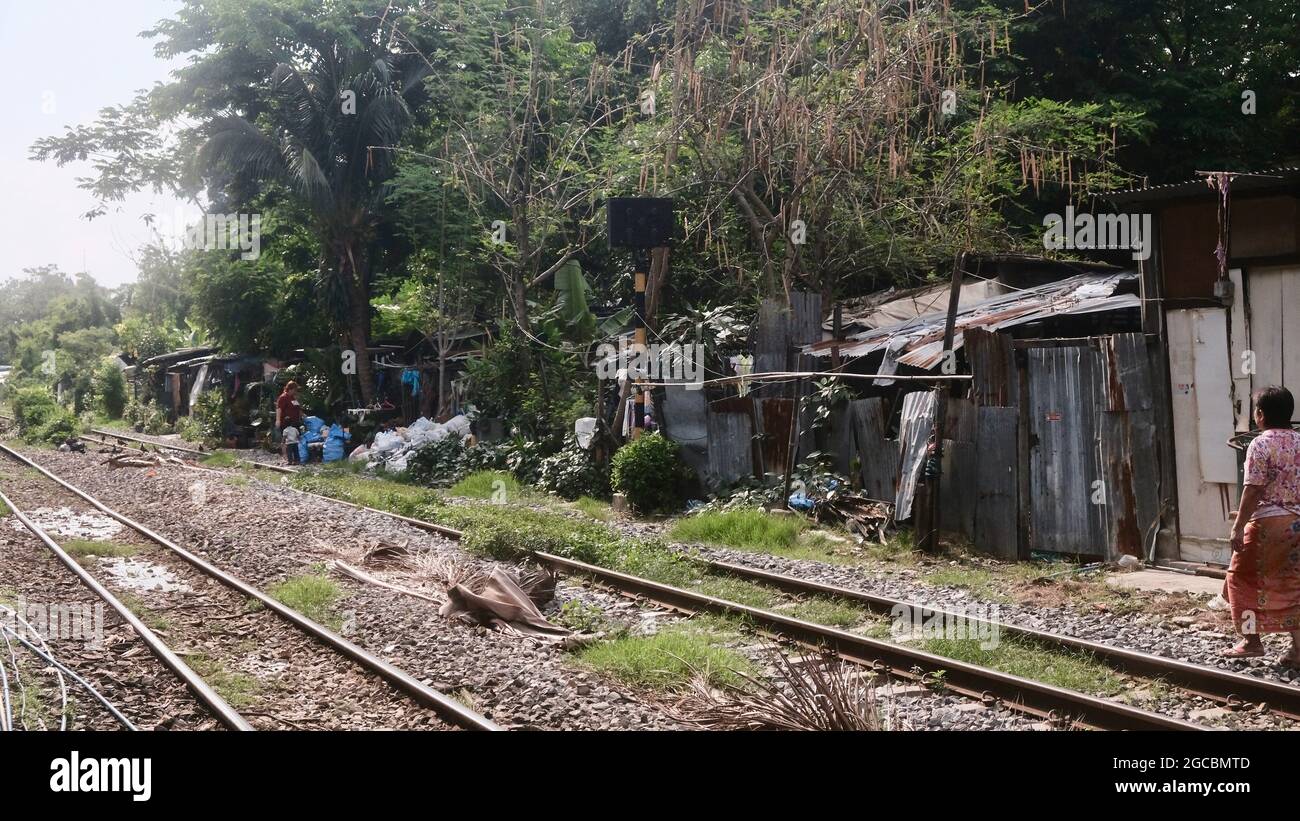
(1221, 295)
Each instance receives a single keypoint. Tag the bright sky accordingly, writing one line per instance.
(67, 59)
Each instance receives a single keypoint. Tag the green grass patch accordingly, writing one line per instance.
(747, 529)
(1073, 671)
(313, 595)
(668, 659)
(220, 459)
(238, 689)
(235, 481)
(81, 548)
(739, 591)
(792, 537)
(4, 509)
(594, 508)
(152, 619)
(488, 484)
(831, 612)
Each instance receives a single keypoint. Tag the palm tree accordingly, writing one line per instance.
(316, 140)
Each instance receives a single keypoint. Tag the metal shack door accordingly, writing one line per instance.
(1066, 496)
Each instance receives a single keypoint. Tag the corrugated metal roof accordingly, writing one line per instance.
(919, 342)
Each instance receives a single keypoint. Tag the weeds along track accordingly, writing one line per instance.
(253, 661)
(1232, 690)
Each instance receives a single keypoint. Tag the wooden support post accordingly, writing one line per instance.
(929, 525)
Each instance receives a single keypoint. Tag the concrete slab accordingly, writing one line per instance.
(1166, 582)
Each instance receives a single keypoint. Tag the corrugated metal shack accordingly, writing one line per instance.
(1048, 446)
(1222, 316)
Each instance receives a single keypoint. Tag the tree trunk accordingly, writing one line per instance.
(354, 272)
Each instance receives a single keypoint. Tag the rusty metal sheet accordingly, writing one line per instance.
(774, 417)
(921, 339)
(684, 416)
(914, 427)
(1127, 376)
(1129, 450)
(961, 420)
(996, 482)
(771, 343)
(1067, 514)
(877, 453)
(839, 439)
(730, 437)
(957, 487)
(805, 325)
(993, 368)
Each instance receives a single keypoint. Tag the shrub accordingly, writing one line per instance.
(40, 418)
(32, 406)
(209, 416)
(110, 390)
(437, 464)
(650, 472)
(146, 417)
(572, 473)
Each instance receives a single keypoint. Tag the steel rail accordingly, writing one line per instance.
(1035, 698)
(450, 709)
(122, 437)
(200, 688)
(1232, 689)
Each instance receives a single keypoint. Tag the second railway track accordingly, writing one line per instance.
(282, 668)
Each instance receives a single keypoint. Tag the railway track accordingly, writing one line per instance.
(106, 437)
(446, 708)
(1233, 690)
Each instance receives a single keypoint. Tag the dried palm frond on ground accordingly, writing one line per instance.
(446, 571)
(385, 553)
(812, 693)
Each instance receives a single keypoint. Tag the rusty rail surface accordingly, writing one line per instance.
(448, 708)
(200, 688)
(1032, 697)
(122, 437)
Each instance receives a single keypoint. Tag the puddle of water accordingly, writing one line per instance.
(66, 522)
(138, 574)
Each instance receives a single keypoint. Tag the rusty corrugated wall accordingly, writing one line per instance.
(877, 453)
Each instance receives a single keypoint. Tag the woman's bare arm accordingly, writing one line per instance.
(1250, 497)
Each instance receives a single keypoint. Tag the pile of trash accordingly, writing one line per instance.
(315, 430)
(391, 449)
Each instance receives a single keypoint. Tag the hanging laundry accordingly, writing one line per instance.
(411, 376)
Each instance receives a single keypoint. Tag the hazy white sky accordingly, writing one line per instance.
(70, 58)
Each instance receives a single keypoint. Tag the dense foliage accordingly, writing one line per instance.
(427, 168)
(650, 472)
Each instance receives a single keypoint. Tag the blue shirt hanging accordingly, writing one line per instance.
(411, 377)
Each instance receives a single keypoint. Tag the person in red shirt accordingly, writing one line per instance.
(288, 412)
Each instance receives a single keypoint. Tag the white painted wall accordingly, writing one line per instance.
(1200, 386)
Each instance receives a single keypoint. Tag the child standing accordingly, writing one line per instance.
(291, 444)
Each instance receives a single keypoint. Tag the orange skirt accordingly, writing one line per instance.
(1264, 577)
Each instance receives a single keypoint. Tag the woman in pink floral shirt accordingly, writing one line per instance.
(1264, 576)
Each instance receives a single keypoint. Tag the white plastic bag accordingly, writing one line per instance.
(585, 428)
